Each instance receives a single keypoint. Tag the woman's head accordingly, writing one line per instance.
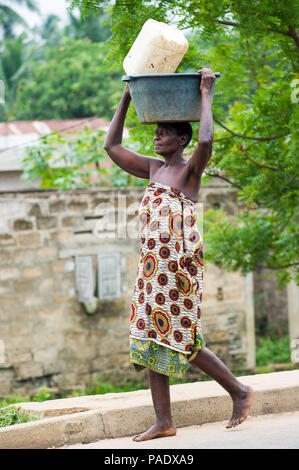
(172, 135)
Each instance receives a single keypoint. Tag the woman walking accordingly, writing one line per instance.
(165, 328)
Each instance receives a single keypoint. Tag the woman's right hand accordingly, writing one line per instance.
(127, 89)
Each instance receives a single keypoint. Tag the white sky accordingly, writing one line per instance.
(58, 7)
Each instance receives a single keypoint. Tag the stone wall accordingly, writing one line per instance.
(271, 304)
(49, 339)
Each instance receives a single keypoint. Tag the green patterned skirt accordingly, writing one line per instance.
(166, 361)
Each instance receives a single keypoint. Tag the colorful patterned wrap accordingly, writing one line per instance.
(165, 328)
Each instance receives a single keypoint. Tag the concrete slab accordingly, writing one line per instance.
(78, 427)
(123, 414)
(273, 431)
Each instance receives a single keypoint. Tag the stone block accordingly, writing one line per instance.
(46, 285)
(29, 239)
(5, 388)
(7, 274)
(78, 338)
(24, 287)
(18, 356)
(50, 311)
(47, 252)
(18, 330)
(60, 299)
(77, 206)
(10, 302)
(45, 355)
(30, 369)
(35, 210)
(78, 365)
(32, 272)
(85, 352)
(219, 337)
(58, 267)
(46, 222)
(70, 221)
(63, 285)
(22, 256)
(22, 224)
(100, 200)
(96, 335)
(53, 338)
(62, 236)
(33, 300)
(57, 206)
(66, 380)
(7, 240)
(26, 342)
(6, 256)
(5, 288)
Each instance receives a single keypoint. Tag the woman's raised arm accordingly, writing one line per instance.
(203, 150)
(131, 162)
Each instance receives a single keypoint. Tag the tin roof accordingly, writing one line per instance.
(15, 136)
(50, 125)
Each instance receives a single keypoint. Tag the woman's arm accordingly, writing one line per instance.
(131, 162)
(203, 150)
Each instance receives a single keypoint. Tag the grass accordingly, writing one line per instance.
(14, 416)
(103, 386)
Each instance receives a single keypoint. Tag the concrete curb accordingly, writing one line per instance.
(85, 419)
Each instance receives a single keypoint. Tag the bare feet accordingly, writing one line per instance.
(241, 407)
(155, 431)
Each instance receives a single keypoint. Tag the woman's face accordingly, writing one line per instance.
(166, 140)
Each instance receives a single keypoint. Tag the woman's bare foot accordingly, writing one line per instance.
(241, 407)
(155, 431)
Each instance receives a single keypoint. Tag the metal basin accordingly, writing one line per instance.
(174, 97)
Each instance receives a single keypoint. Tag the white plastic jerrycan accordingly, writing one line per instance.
(158, 48)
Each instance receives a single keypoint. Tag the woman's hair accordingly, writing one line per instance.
(181, 128)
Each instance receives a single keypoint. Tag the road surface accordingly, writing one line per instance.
(280, 431)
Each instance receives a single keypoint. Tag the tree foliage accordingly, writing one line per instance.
(71, 82)
(73, 161)
(9, 18)
(255, 46)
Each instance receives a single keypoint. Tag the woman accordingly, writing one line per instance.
(165, 334)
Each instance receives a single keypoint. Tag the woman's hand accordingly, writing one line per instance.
(127, 89)
(207, 79)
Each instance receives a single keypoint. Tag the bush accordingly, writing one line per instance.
(272, 350)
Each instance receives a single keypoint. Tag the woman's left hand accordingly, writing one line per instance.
(207, 79)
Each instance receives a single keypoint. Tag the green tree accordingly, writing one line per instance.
(15, 58)
(50, 32)
(92, 27)
(9, 18)
(71, 82)
(72, 162)
(255, 46)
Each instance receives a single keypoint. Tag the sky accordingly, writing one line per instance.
(58, 7)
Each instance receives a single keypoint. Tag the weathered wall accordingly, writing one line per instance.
(48, 337)
(271, 303)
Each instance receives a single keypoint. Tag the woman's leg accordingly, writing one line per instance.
(159, 384)
(242, 395)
